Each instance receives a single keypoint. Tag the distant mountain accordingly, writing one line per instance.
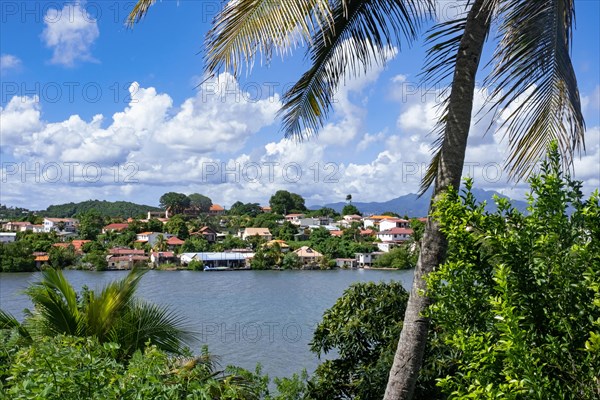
(124, 209)
(415, 206)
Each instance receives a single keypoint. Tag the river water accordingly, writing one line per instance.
(245, 317)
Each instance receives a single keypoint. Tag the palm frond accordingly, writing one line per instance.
(151, 323)
(535, 82)
(103, 310)
(245, 28)
(8, 321)
(55, 305)
(363, 33)
(139, 11)
(443, 40)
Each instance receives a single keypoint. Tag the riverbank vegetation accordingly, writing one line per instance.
(516, 315)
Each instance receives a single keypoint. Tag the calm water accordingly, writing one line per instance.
(245, 317)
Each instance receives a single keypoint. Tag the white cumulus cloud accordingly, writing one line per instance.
(70, 33)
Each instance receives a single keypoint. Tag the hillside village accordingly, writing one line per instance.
(193, 233)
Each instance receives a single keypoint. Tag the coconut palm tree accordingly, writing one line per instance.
(161, 243)
(113, 315)
(535, 86)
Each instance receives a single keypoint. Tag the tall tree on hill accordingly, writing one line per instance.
(174, 202)
(201, 202)
(535, 86)
(284, 202)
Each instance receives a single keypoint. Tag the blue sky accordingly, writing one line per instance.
(94, 110)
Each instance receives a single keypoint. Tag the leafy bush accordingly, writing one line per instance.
(363, 328)
(66, 367)
(401, 257)
(517, 302)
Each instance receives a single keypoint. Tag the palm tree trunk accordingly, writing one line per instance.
(411, 345)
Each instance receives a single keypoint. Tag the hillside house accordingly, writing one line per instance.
(60, 224)
(395, 235)
(264, 233)
(391, 223)
(308, 256)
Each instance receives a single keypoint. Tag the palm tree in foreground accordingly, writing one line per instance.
(113, 315)
(534, 81)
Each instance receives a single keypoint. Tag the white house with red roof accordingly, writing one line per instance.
(390, 223)
(395, 235)
(151, 237)
(294, 218)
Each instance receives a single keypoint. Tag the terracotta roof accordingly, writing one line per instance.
(121, 251)
(336, 233)
(116, 226)
(128, 258)
(145, 233)
(397, 231)
(166, 254)
(257, 231)
(216, 207)
(175, 241)
(61, 219)
(294, 215)
(306, 251)
(19, 223)
(42, 258)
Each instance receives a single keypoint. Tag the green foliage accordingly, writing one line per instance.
(37, 241)
(177, 226)
(16, 257)
(195, 244)
(239, 208)
(284, 202)
(123, 209)
(362, 329)
(154, 225)
(400, 257)
(95, 260)
(69, 368)
(12, 213)
(517, 302)
(62, 257)
(291, 261)
(113, 315)
(195, 265)
(90, 224)
(175, 202)
(231, 242)
(201, 202)
(266, 257)
(350, 209)
(285, 231)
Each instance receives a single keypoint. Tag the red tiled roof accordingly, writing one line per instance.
(397, 231)
(122, 251)
(116, 227)
(336, 233)
(175, 241)
(216, 207)
(166, 254)
(367, 232)
(128, 258)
